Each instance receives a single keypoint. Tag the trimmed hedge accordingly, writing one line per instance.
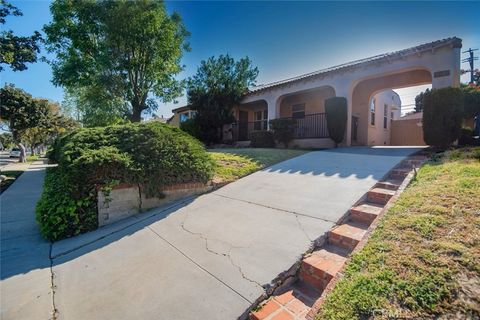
(442, 116)
(262, 139)
(283, 129)
(336, 111)
(151, 155)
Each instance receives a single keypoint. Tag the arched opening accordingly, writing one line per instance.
(373, 102)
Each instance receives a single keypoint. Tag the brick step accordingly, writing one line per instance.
(292, 303)
(399, 173)
(365, 212)
(379, 195)
(391, 184)
(318, 268)
(347, 235)
(412, 162)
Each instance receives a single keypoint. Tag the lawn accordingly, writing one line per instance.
(11, 176)
(233, 164)
(423, 260)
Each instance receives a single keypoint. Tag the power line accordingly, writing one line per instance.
(470, 60)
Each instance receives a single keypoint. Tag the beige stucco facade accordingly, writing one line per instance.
(436, 63)
(384, 108)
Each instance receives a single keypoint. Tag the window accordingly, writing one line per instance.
(184, 116)
(391, 116)
(260, 120)
(372, 112)
(188, 115)
(298, 111)
(385, 116)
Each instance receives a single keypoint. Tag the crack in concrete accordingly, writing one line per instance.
(52, 284)
(198, 265)
(303, 229)
(273, 208)
(228, 254)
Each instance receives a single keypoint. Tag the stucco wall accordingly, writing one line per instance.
(377, 134)
(314, 101)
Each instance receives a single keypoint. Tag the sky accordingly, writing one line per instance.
(283, 39)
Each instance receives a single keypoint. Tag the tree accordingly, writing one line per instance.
(50, 124)
(336, 111)
(6, 140)
(442, 116)
(129, 50)
(16, 51)
(215, 89)
(91, 108)
(18, 111)
(419, 101)
(472, 101)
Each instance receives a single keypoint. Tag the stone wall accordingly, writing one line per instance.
(125, 200)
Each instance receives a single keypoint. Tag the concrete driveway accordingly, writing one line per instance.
(208, 257)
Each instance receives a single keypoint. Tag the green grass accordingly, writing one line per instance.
(423, 260)
(11, 176)
(32, 158)
(233, 164)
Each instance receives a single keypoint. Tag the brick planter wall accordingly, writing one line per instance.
(125, 200)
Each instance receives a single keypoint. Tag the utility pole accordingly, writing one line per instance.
(470, 60)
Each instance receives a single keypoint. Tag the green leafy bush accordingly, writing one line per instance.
(191, 127)
(442, 116)
(336, 114)
(283, 129)
(151, 155)
(262, 139)
(472, 102)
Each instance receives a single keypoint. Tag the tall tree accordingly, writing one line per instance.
(215, 89)
(50, 124)
(93, 109)
(18, 112)
(16, 51)
(131, 50)
(419, 100)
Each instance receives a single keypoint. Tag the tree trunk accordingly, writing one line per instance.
(23, 153)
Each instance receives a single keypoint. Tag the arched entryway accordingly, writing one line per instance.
(365, 89)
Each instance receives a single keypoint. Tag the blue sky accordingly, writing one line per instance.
(283, 39)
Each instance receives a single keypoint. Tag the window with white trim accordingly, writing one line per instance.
(298, 111)
(260, 120)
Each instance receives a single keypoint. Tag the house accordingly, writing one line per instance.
(366, 84)
(181, 114)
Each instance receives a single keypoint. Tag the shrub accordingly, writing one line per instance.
(442, 116)
(283, 130)
(262, 139)
(466, 137)
(472, 102)
(336, 114)
(151, 155)
(191, 127)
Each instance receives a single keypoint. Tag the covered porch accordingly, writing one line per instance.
(307, 108)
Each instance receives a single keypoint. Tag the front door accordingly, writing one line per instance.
(243, 125)
(354, 129)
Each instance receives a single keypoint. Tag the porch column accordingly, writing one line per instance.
(273, 105)
(344, 91)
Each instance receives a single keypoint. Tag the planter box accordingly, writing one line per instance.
(125, 200)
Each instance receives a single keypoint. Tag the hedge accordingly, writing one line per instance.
(442, 116)
(150, 155)
(262, 139)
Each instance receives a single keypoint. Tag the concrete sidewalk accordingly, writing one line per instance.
(209, 257)
(25, 264)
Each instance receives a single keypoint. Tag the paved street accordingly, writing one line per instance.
(202, 258)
